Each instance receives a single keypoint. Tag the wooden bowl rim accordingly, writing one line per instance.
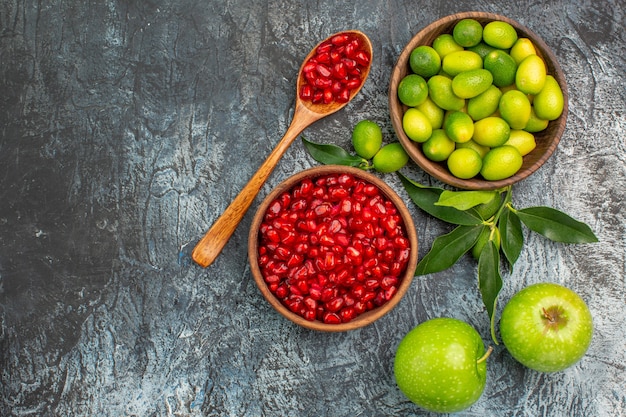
(367, 317)
(552, 133)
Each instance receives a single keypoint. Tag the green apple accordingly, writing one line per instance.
(441, 365)
(546, 327)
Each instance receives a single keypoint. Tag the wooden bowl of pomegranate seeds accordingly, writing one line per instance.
(333, 248)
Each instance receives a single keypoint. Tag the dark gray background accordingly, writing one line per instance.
(127, 127)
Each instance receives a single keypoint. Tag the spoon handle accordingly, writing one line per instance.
(210, 246)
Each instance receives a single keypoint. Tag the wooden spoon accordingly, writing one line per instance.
(305, 114)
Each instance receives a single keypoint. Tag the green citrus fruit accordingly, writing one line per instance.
(548, 103)
(531, 75)
(444, 44)
(425, 61)
(481, 49)
(459, 61)
(522, 48)
(491, 131)
(412, 90)
(467, 32)
(515, 108)
(482, 150)
(433, 113)
(535, 124)
(390, 158)
(416, 125)
(502, 66)
(440, 92)
(367, 138)
(439, 146)
(485, 236)
(522, 140)
(459, 126)
(501, 162)
(464, 163)
(468, 84)
(484, 104)
(499, 34)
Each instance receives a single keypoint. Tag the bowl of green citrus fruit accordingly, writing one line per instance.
(478, 100)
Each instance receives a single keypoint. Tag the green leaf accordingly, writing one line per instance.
(448, 248)
(426, 197)
(464, 200)
(490, 281)
(511, 236)
(332, 154)
(556, 225)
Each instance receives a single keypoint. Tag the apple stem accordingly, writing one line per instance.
(486, 355)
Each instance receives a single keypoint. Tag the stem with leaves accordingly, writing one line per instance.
(487, 221)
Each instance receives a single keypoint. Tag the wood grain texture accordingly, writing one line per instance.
(126, 128)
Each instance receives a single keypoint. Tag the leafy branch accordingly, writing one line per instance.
(487, 224)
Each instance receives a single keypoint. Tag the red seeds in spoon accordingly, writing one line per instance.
(333, 248)
(334, 70)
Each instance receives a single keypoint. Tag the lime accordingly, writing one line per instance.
(499, 34)
(522, 140)
(548, 103)
(515, 108)
(502, 66)
(459, 61)
(484, 104)
(367, 138)
(501, 162)
(482, 150)
(485, 236)
(467, 32)
(416, 125)
(459, 126)
(440, 92)
(468, 84)
(390, 158)
(535, 124)
(425, 61)
(481, 49)
(531, 75)
(439, 146)
(444, 44)
(491, 131)
(522, 48)
(412, 90)
(433, 113)
(464, 163)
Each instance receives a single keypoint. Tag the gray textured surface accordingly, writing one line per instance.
(127, 127)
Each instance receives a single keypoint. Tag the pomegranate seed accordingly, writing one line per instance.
(340, 39)
(347, 314)
(325, 47)
(332, 248)
(310, 315)
(342, 59)
(306, 92)
(282, 291)
(388, 282)
(362, 58)
(315, 291)
(390, 292)
(331, 318)
(353, 82)
(335, 304)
